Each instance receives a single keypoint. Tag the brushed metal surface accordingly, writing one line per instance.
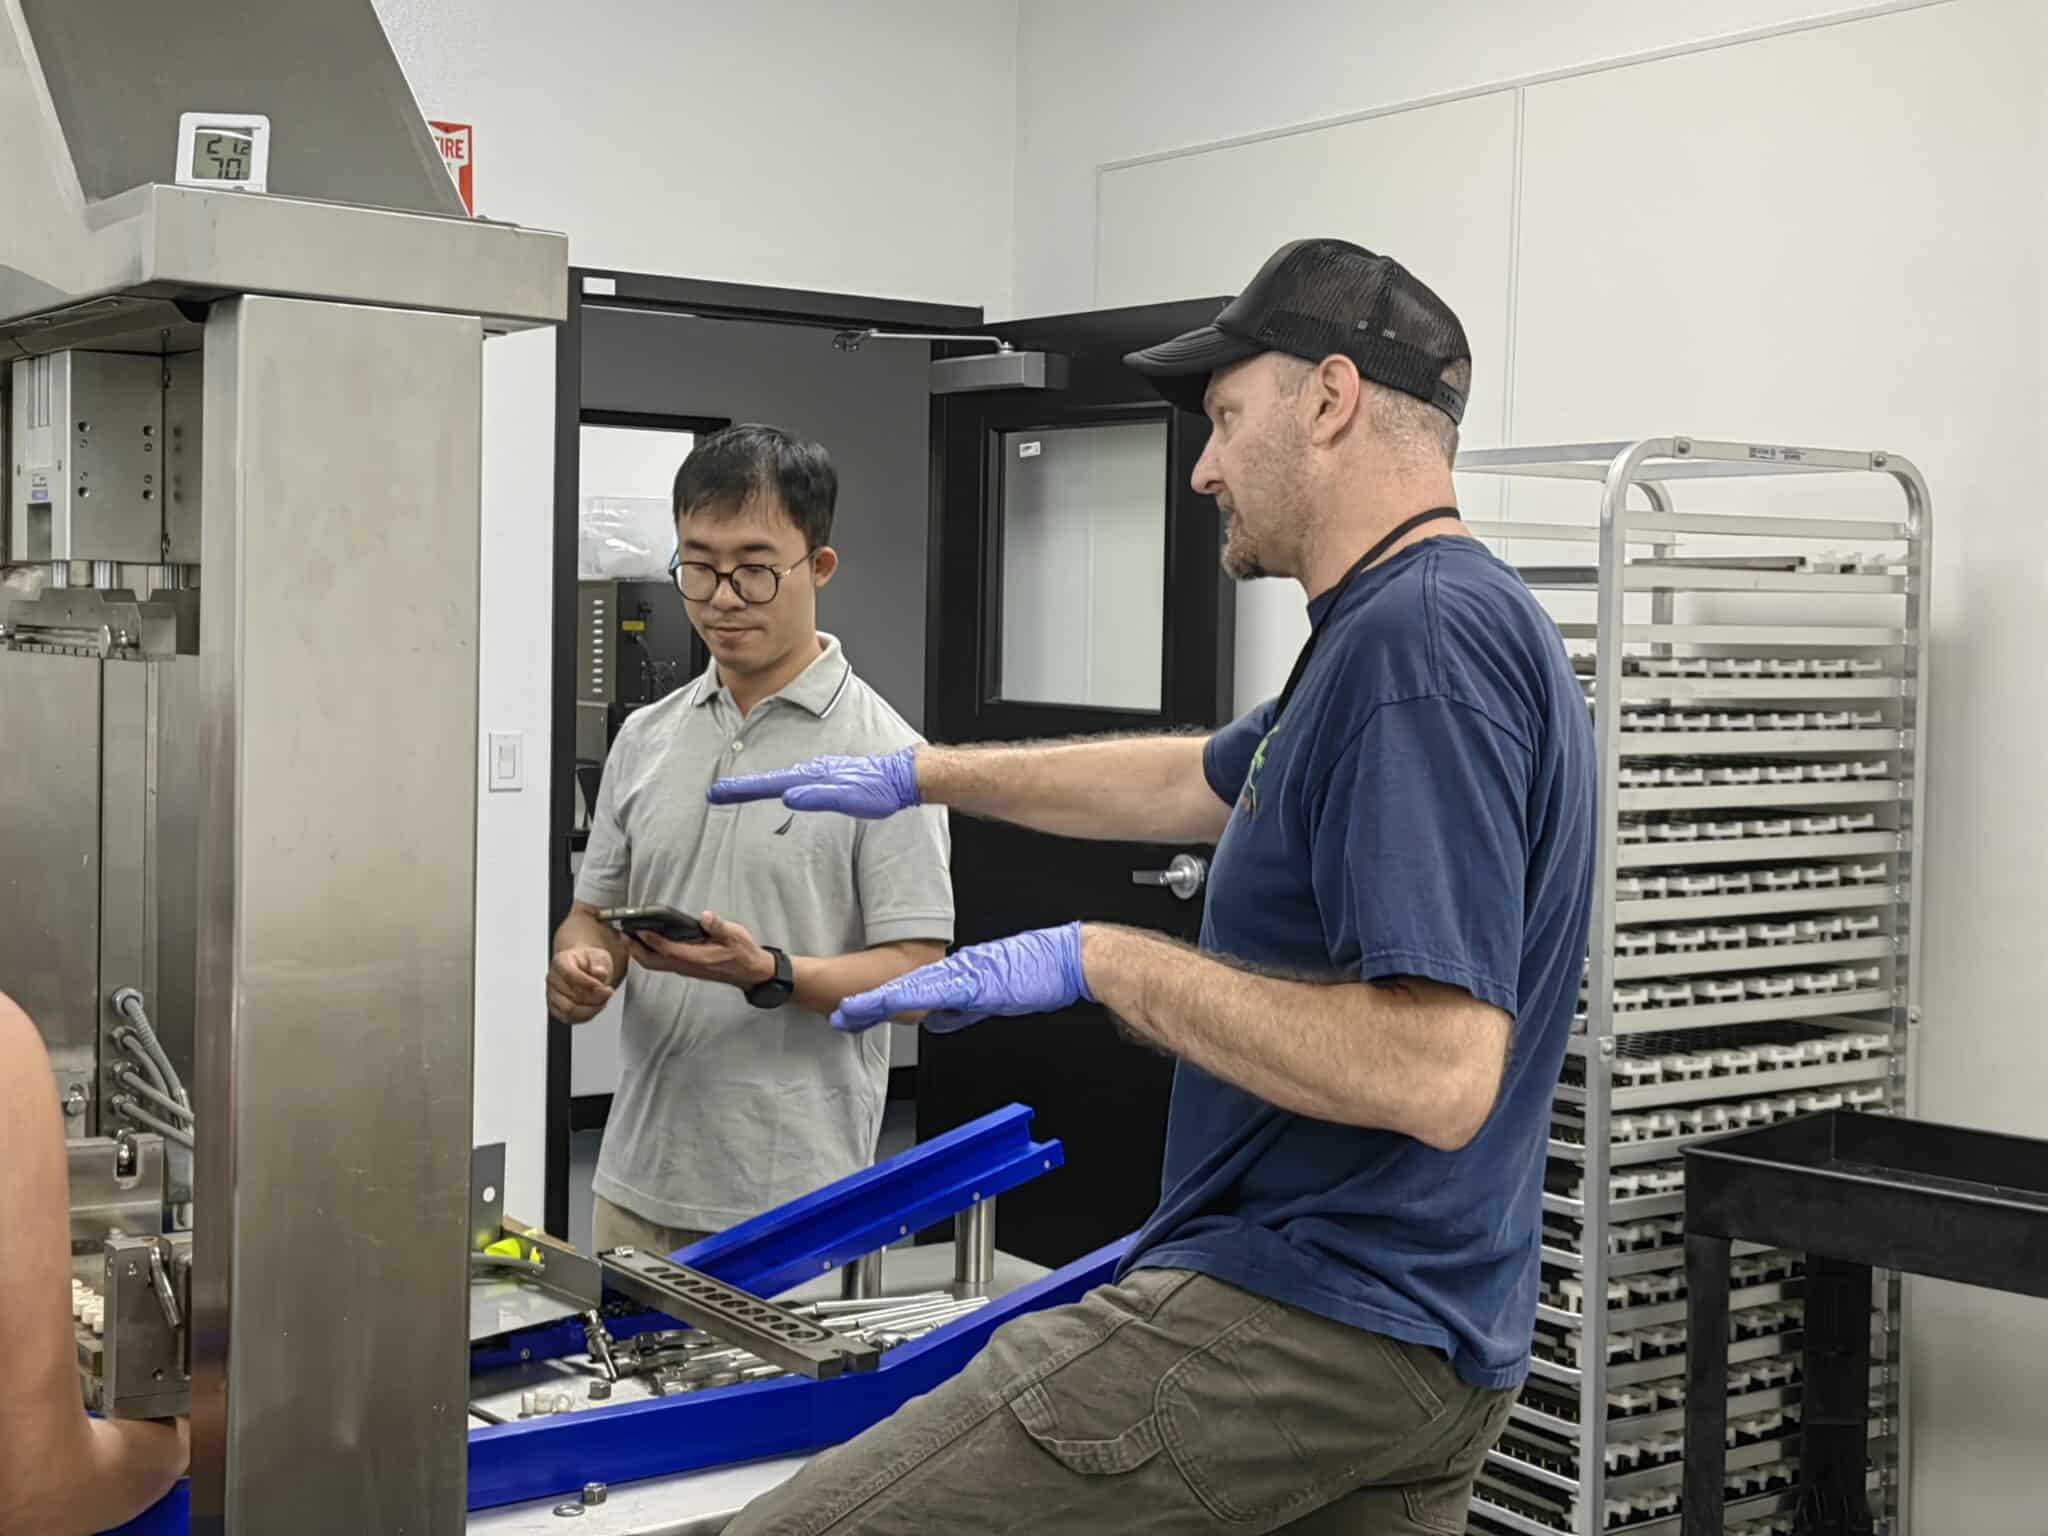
(125, 953)
(89, 484)
(184, 455)
(143, 1373)
(147, 247)
(344, 123)
(172, 860)
(107, 1202)
(49, 848)
(112, 499)
(337, 867)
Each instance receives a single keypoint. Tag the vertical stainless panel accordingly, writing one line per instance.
(7, 469)
(87, 479)
(337, 867)
(38, 449)
(114, 491)
(125, 949)
(183, 450)
(50, 848)
(172, 902)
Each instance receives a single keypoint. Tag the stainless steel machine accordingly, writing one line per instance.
(241, 323)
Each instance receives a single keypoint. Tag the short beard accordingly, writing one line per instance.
(1275, 464)
(1240, 554)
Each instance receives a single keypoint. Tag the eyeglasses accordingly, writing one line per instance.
(751, 584)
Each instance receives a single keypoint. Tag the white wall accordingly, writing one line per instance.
(1103, 83)
(1833, 235)
(863, 149)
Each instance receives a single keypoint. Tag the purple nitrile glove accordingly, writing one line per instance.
(1037, 972)
(867, 787)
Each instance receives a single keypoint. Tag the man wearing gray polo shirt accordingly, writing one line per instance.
(733, 1096)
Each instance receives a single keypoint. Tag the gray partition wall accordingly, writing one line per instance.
(870, 408)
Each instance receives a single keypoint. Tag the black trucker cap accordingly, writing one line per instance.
(1314, 298)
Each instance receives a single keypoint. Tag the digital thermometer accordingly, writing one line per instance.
(224, 149)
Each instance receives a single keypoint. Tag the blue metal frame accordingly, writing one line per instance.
(513, 1463)
(770, 1254)
(169, 1516)
(833, 1226)
(819, 1232)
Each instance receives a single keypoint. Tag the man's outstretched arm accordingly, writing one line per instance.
(1141, 789)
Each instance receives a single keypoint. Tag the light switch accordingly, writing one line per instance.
(507, 761)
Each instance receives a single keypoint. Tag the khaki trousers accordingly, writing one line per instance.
(1169, 1403)
(613, 1226)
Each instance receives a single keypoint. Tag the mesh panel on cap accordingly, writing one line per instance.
(1313, 298)
(1330, 297)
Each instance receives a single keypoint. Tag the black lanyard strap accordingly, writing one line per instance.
(1394, 536)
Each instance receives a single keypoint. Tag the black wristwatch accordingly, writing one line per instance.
(777, 989)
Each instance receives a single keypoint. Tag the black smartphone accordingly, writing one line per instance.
(666, 921)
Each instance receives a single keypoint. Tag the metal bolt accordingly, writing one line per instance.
(74, 1102)
(1879, 460)
(1682, 445)
(595, 1493)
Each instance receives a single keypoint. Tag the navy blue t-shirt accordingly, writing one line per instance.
(1425, 809)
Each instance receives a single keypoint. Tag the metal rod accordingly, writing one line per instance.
(931, 1316)
(974, 1244)
(862, 1279)
(890, 1315)
(921, 1324)
(832, 1308)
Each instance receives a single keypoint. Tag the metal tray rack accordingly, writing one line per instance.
(1756, 697)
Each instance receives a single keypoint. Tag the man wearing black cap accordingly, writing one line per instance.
(1324, 1323)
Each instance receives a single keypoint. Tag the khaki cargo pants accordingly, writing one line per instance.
(1168, 1403)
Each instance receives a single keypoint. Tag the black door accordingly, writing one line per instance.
(1076, 591)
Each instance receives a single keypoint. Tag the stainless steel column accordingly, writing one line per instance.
(337, 862)
(862, 1278)
(974, 1245)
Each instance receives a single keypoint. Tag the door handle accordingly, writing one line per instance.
(1184, 876)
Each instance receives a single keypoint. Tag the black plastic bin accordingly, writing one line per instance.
(1855, 1192)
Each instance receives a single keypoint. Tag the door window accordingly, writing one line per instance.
(1083, 555)
(627, 530)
